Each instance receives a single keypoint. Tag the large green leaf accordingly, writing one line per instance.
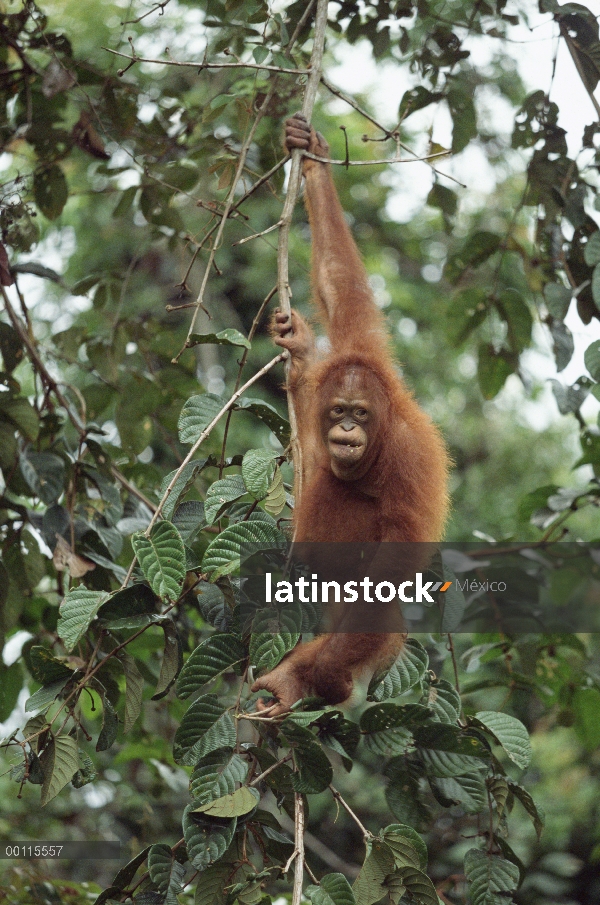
(221, 494)
(134, 688)
(418, 886)
(407, 846)
(228, 337)
(185, 479)
(235, 804)
(59, 762)
(162, 559)
(334, 889)
(388, 727)
(196, 414)
(110, 726)
(50, 190)
(160, 860)
(493, 879)
(212, 657)
(223, 553)
(212, 882)
(592, 359)
(269, 415)
(258, 469)
(508, 732)
(194, 737)
(77, 610)
(217, 775)
(404, 674)
(450, 751)
(206, 838)
(443, 699)
(172, 660)
(370, 884)
(268, 649)
(45, 474)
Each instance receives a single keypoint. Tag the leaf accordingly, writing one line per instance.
(464, 119)
(134, 688)
(509, 732)
(419, 886)
(194, 737)
(269, 415)
(267, 649)
(467, 791)
(162, 559)
(492, 879)
(407, 846)
(196, 414)
(207, 839)
(11, 682)
(443, 699)
(50, 190)
(136, 600)
(478, 247)
(211, 885)
(563, 345)
(45, 474)
(228, 337)
(160, 860)
(558, 299)
(258, 470)
(11, 347)
(450, 751)
(592, 359)
(416, 99)
(212, 657)
(388, 727)
(536, 814)
(221, 494)
(222, 555)
(260, 54)
(492, 370)
(46, 668)
(238, 803)
(77, 610)
(217, 775)
(110, 726)
(59, 762)
(184, 481)
(189, 518)
(591, 250)
(86, 772)
(44, 696)
(22, 414)
(276, 497)
(404, 674)
(368, 887)
(333, 889)
(172, 659)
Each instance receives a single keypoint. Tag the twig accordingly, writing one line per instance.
(274, 766)
(195, 447)
(366, 834)
(263, 232)
(380, 161)
(297, 855)
(200, 66)
(283, 287)
(132, 489)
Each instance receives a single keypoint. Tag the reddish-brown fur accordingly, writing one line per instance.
(399, 493)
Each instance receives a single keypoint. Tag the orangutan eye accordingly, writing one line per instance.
(337, 410)
(361, 413)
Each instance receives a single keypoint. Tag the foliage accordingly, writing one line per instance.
(121, 537)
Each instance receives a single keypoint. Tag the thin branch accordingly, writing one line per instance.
(263, 232)
(366, 834)
(270, 769)
(200, 66)
(380, 161)
(283, 287)
(297, 855)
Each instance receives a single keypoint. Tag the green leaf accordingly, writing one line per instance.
(11, 682)
(222, 555)
(407, 846)
(467, 791)
(388, 727)
(592, 359)
(508, 732)
(217, 775)
(197, 413)
(378, 866)
(221, 495)
(333, 889)
(563, 345)
(162, 559)
(536, 814)
(419, 886)
(416, 99)
(493, 879)
(315, 771)
(206, 838)
(44, 696)
(184, 481)
(558, 298)
(492, 370)
(267, 649)
(86, 772)
(404, 674)
(172, 660)
(77, 610)
(276, 496)
(258, 470)
(211, 888)
(269, 415)
(110, 726)
(228, 337)
(591, 250)
(59, 762)
(11, 347)
(464, 120)
(45, 474)
(260, 54)
(50, 190)
(135, 600)
(160, 860)
(212, 657)
(478, 247)
(134, 688)
(443, 699)
(188, 518)
(236, 804)
(205, 727)
(22, 415)
(450, 751)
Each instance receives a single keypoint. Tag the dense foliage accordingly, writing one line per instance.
(143, 440)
